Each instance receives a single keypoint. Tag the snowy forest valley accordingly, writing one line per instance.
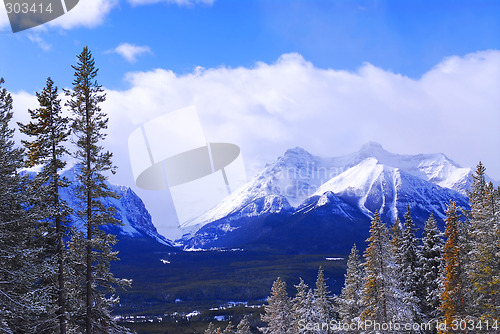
(418, 242)
(223, 284)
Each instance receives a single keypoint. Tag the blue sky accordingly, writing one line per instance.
(407, 37)
(416, 76)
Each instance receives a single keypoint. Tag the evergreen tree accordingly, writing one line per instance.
(229, 329)
(306, 312)
(483, 252)
(278, 313)
(22, 301)
(50, 130)
(431, 258)
(211, 329)
(349, 304)
(312, 316)
(452, 296)
(410, 270)
(322, 298)
(9, 265)
(496, 273)
(300, 304)
(475, 235)
(382, 299)
(496, 276)
(96, 250)
(244, 326)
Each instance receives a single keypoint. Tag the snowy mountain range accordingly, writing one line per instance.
(299, 188)
(306, 203)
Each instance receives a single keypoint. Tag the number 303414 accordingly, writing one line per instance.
(25, 8)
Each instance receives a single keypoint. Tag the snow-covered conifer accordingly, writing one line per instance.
(348, 304)
(323, 298)
(431, 262)
(483, 257)
(278, 313)
(20, 249)
(229, 328)
(244, 326)
(299, 303)
(89, 124)
(410, 271)
(211, 329)
(49, 131)
(452, 296)
(383, 301)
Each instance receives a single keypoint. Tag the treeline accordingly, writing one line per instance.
(55, 273)
(436, 284)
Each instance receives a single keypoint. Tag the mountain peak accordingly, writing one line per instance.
(297, 151)
(371, 148)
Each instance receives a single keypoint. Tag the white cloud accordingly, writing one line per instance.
(275, 104)
(37, 39)
(130, 51)
(182, 3)
(4, 19)
(22, 101)
(87, 13)
(452, 109)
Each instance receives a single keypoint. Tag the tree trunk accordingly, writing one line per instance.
(88, 320)
(61, 301)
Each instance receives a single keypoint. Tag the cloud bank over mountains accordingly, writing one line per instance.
(453, 108)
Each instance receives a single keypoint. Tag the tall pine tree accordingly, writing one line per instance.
(483, 253)
(94, 253)
(299, 302)
(410, 270)
(244, 326)
(348, 304)
(383, 301)
(278, 313)
(22, 297)
(50, 131)
(305, 309)
(431, 258)
(452, 296)
(322, 298)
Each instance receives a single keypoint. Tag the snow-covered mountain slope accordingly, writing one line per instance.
(435, 168)
(323, 224)
(360, 177)
(135, 218)
(130, 210)
(373, 186)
